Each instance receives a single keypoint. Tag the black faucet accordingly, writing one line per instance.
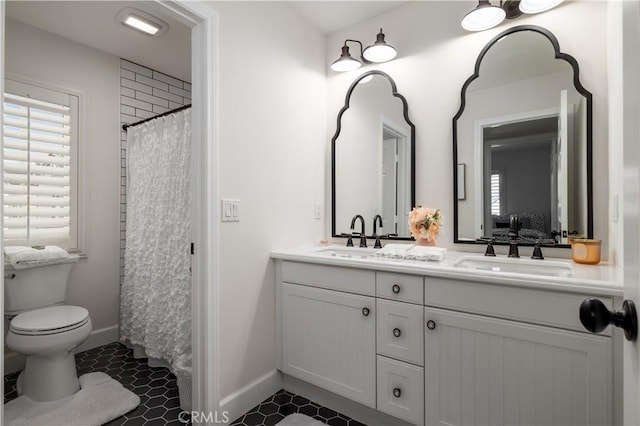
(363, 235)
(377, 219)
(514, 226)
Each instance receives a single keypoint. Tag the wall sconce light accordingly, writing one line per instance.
(486, 15)
(378, 52)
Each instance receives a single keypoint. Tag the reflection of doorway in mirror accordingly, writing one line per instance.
(395, 189)
(516, 172)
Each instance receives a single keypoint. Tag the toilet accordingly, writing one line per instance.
(45, 330)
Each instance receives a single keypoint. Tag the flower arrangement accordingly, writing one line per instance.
(424, 223)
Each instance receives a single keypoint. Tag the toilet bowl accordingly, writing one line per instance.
(48, 338)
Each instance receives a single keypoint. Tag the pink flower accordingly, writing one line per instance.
(425, 222)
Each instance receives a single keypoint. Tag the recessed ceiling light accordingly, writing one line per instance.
(141, 21)
(139, 24)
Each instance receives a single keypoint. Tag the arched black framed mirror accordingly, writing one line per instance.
(373, 158)
(522, 143)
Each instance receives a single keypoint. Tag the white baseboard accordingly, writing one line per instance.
(100, 337)
(244, 399)
(15, 362)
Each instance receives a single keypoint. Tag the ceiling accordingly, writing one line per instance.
(332, 16)
(94, 23)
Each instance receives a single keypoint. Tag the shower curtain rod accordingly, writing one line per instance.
(126, 126)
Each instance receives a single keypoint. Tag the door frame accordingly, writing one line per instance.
(203, 20)
(2, 30)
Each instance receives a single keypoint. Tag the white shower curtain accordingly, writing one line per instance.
(155, 300)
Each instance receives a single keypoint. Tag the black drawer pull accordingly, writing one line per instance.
(395, 289)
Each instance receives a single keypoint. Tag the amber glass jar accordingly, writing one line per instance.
(584, 250)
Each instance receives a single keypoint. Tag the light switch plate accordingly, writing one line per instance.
(230, 210)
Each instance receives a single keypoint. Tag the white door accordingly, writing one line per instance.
(563, 167)
(631, 198)
(389, 186)
(328, 339)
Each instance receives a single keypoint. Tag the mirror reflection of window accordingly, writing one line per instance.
(496, 184)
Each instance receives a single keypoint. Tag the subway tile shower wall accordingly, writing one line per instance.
(143, 94)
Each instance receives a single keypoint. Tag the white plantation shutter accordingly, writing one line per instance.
(40, 170)
(496, 186)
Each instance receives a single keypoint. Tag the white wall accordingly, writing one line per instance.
(43, 57)
(272, 145)
(436, 56)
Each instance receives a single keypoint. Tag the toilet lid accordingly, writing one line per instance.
(51, 320)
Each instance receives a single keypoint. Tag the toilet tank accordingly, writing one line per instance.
(33, 288)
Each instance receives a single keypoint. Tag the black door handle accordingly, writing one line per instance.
(595, 317)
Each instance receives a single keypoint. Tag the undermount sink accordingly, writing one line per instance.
(515, 266)
(348, 252)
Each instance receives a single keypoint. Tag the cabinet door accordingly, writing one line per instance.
(487, 371)
(328, 339)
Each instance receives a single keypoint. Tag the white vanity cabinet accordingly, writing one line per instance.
(328, 337)
(431, 350)
(493, 370)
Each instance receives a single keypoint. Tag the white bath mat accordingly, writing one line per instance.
(100, 399)
(299, 420)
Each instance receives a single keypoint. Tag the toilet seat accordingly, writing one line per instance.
(51, 320)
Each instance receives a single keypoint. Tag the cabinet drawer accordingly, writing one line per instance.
(401, 390)
(400, 333)
(350, 280)
(405, 288)
(520, 304)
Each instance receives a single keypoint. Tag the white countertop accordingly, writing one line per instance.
(597, 280)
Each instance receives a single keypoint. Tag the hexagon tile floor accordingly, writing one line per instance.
(158, 392)
(156, 387)
(282, 403)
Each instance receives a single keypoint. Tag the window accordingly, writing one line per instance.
(40, 138)
(496, 192)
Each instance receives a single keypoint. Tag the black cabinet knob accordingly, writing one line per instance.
(395, 288)
(397, 392)
(595, 317)
(397, 332)
(431, 325)
(365, 312)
